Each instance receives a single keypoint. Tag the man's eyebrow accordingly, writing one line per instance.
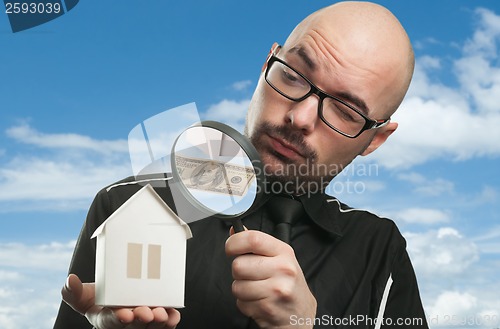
(354, 100)
(349, 98)
(299, 50)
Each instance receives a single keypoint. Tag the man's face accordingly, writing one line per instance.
(293, 142)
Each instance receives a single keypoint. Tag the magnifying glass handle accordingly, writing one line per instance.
(238, 225)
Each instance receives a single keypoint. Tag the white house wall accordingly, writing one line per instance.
(100, 270)
(146, 291)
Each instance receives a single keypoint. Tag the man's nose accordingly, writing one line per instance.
(304, 115)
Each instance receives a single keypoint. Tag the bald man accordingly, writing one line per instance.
(324, 97)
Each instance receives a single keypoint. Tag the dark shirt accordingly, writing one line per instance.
(355, 263)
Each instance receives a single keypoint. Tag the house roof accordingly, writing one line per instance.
(147, 193)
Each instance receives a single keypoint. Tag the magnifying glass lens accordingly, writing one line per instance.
(215, 171)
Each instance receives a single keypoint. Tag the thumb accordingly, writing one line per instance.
(72, 290)
(78, 295)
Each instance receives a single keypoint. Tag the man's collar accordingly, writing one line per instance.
(318, 210)
(316, 207)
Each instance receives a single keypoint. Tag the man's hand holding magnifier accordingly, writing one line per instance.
(269, 284)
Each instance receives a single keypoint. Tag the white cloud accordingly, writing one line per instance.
(493, 233)
(430, 129)
(485, 37)
(455, 284)
(63, 172)
(4, 293)
(452, 302)
(32, 276)
(487, 194)
(421, 44)
(489, 242)
(31, 178)
(463, 309)
(424, 216)
(241, 85)
(52, 256)
(442, 252)
(26, 134)
(438, 121)
(8, 276)
(481, 80)
(230, 112)
(429, 62)
(426, 186)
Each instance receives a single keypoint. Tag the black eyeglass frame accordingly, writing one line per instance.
(369, 123)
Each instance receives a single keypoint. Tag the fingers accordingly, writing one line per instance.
(255, 242)
(124, 315)
(165, 318)
(174, 317)
(80, 296)
(252, 267)
(269, 284)
(72, 289)
(138, 317)
(280, 288)
(246, 290)
(145, 317)
(104, 318)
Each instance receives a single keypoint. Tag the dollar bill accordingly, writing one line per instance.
(214, 176)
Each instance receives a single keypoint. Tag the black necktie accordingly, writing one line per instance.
(284, 211)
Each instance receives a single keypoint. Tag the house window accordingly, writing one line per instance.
(135, 261)
(154, 261)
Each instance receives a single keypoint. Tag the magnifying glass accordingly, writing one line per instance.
(218, 171)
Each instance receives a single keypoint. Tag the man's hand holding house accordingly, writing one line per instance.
(80, 296)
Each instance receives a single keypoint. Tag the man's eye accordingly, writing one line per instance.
(343, 113)
(290, 77)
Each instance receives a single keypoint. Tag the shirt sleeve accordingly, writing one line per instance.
(83, 261)
(403, 306)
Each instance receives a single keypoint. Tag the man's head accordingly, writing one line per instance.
(357, 52)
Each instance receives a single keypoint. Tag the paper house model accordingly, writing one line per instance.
(141, 254)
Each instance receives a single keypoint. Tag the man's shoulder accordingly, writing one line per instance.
(360, 219)
(136, 182)
(350, 212)
(120, 191)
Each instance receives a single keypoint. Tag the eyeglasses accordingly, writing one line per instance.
(333, 111)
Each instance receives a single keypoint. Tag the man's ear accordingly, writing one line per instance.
(380, 137)
(273, 47)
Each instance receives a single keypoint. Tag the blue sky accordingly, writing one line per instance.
(73, 88)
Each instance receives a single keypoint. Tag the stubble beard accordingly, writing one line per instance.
(285, 175)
